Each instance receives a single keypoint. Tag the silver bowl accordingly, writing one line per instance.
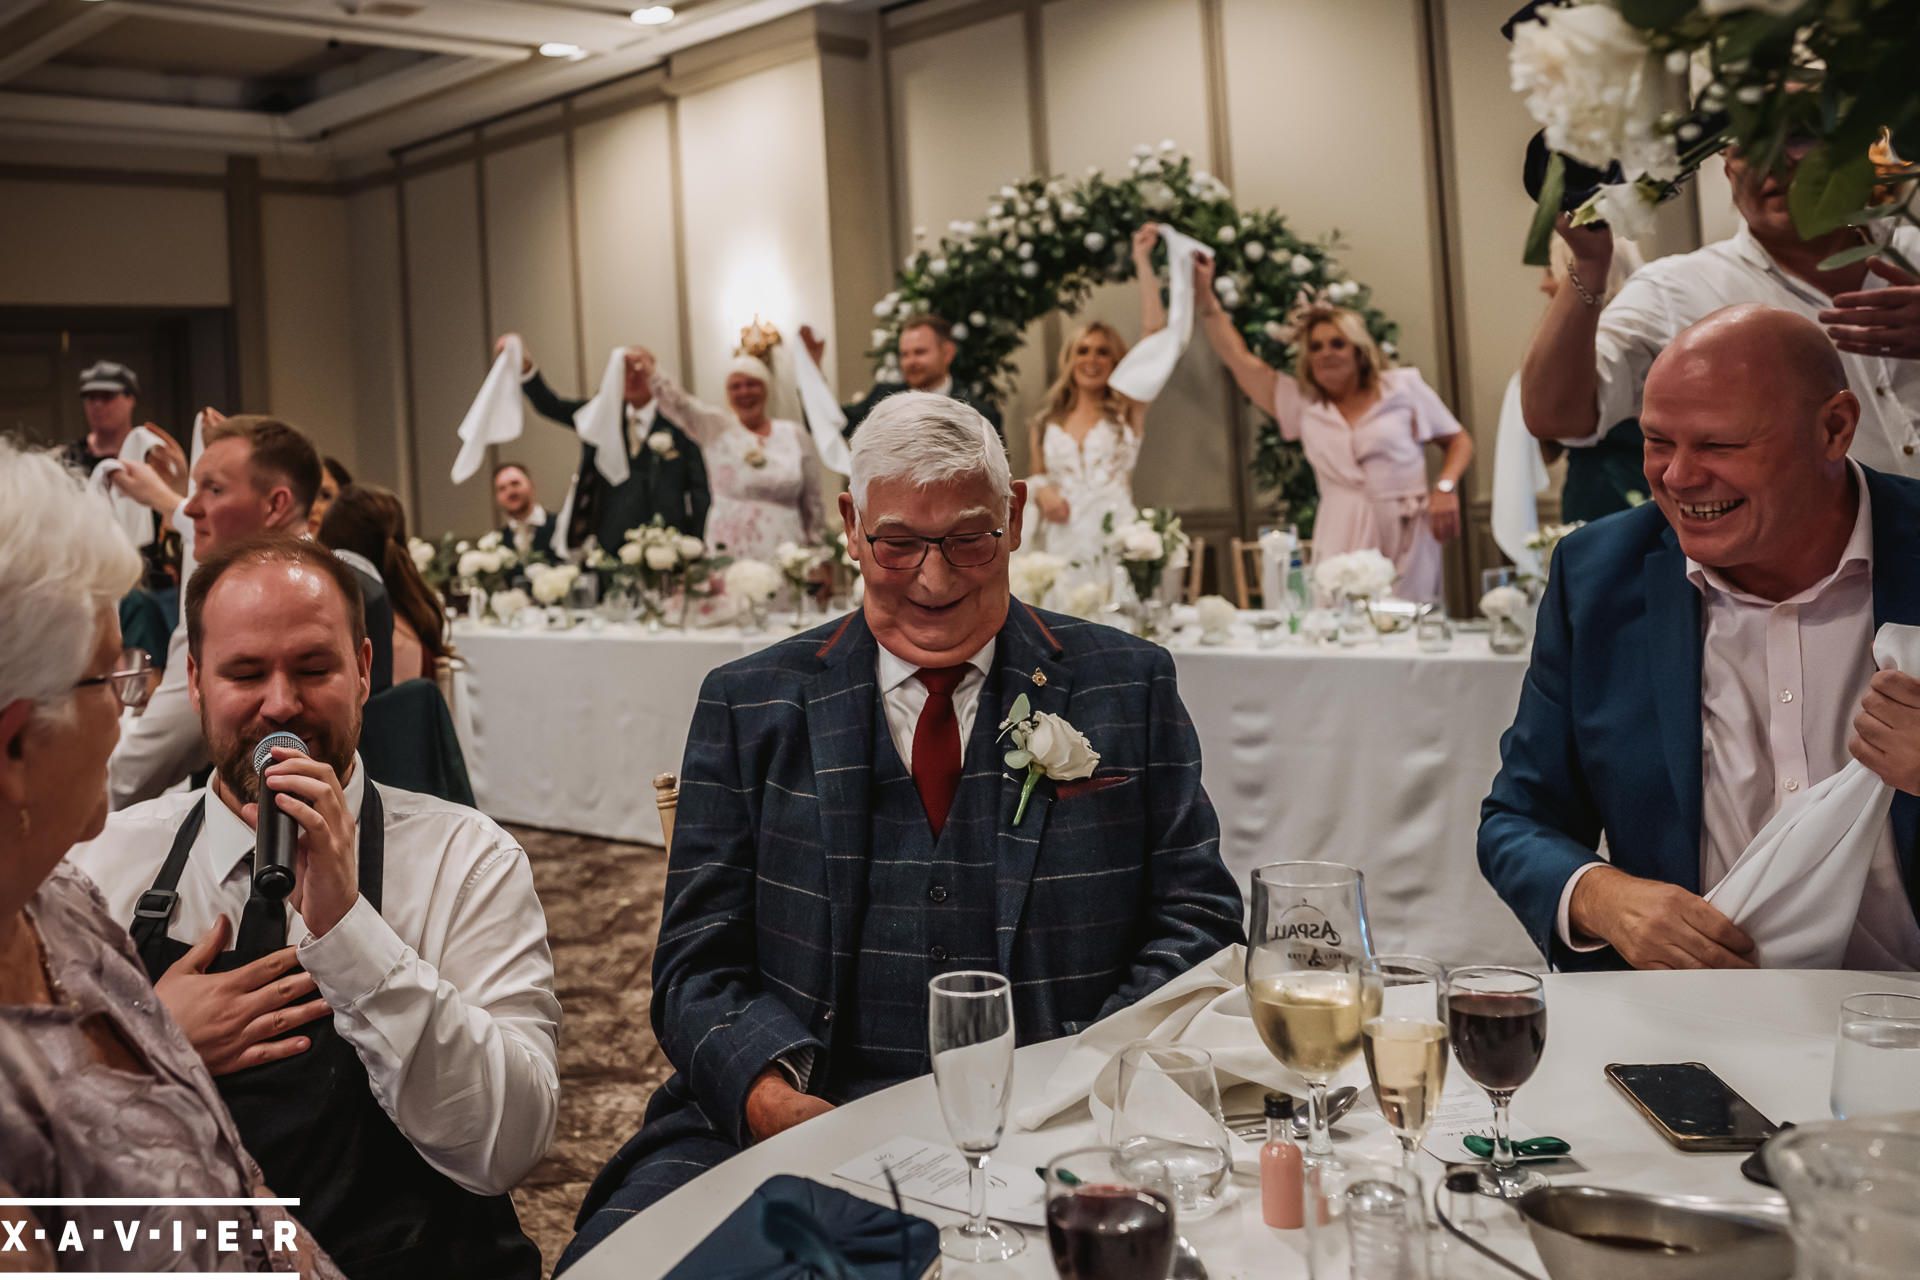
(1598, 1233)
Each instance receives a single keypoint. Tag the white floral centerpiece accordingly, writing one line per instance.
(1088, 600)
(1605, 79)
(1147, 546)
(1355, 575)
(550, 583)
(666, 562)
(1547, 537)
(1033, 573)
(487, 562)
(1510, 615)
(506, 605)
(1216, 614)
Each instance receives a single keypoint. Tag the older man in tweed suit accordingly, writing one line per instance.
(847, 828)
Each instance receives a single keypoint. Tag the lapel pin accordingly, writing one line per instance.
(1039, 679)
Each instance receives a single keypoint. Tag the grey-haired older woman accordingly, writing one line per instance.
(100, 1093)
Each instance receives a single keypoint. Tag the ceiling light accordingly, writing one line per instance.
(560, 49)
(654, 15)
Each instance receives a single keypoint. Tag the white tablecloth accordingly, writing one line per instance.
(1768, 1033)
(1376, 756)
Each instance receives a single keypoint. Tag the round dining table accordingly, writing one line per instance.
(1769, 1034)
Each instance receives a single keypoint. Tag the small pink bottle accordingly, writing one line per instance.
(1282, 1174)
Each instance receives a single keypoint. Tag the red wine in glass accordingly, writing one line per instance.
(1498, 1037)
(1103, 1232)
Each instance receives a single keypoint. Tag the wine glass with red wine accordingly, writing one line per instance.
(1497, 1019)
(1107, 1218)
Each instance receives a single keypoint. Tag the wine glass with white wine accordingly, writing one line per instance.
(1405, 1044)
(1309, 937)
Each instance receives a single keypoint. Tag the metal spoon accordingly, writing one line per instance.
(1339, 1102)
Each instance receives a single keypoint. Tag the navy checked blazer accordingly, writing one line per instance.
(1107, 888)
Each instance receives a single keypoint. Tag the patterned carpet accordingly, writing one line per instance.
(603, 911)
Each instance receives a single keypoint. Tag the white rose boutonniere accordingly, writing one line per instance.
(661, 442)
(1046, 746)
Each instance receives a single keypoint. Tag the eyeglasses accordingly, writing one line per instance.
(128, 681)
(962, 550)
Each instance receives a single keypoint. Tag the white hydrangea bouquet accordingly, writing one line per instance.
(1606, 80)
(1146, 547)
(751, 585)
(1033, 573)
(1355, 575)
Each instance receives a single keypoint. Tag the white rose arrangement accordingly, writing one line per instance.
(661, 442)
(1217, 614)
(1046, 746)
(797, 561)
(1087, 600)
(1147, 546)
(1547, 537)
(551, 582)
(1356, 575)
(751, 580)
(423, 553)
(487, 562)
(1510, 603)
(1033, 573)
(506, 605)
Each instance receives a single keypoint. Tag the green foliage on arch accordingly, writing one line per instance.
(1043, 243)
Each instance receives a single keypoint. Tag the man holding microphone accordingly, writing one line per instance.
(419, 1085)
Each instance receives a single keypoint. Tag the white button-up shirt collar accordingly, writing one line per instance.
(903, 697)
(445, 992)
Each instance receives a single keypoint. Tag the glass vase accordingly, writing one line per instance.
(1507, 634)
(1356, 623)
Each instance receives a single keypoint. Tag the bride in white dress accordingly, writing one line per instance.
(1085, 440)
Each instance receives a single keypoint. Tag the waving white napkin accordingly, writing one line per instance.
(1204, 1008)
(823, 413)
(495, 416)
(1796, 890)
(602, 421)
(134, 519)
(1148, 366)
(1519, 474)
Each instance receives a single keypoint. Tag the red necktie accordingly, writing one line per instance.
(936, 744)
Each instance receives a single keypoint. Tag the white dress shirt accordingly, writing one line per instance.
(1668, 294)
(521, 531)
(163, 744)
(445, 992)
(903, 697)
(640, 425)
(1780, 684)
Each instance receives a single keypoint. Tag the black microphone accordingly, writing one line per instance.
(275, 832)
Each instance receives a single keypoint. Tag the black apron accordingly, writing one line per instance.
(312, 1122)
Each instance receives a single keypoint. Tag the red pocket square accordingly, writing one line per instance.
(1086, 786)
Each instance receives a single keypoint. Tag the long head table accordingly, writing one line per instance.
(1376, 756)
(1770, 1034)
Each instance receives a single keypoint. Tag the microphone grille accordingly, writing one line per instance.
(263, 754)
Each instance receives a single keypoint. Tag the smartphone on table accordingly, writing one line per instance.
(1693, 1108)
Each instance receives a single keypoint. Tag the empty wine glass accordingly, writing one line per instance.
(1166, 1115)
(1309, 935)
(1405, 1043)
(1497, 1018)
(970, 1036)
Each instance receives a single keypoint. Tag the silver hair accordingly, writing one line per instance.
(63, 564)
(928, 439)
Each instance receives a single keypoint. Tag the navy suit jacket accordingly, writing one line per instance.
(1607, 736)
(675, 489)
(1106, 889)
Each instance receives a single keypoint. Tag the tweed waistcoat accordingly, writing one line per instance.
(930, 906)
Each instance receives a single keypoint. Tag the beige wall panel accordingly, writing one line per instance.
(628, 277)
(309, 319)
(1093, 50)
(379, 353)
(961, 130)
(1327, 126)
(753, 156)
(531, 291)
(859, 214)
(449, 344)
(70, 244)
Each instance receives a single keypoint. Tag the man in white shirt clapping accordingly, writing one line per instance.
(419, 1085)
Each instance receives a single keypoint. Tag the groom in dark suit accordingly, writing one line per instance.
(1705, 659)
(927, 350)
(847, 828)
(666, 474)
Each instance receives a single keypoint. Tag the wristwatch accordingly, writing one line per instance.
(1443, 486)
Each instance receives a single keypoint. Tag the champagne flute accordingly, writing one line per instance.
(1498, 1020)
(1309, 935)
(970, 1036)
(1405, 1044)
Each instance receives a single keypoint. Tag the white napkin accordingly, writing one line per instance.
(1519, 474)
(602, 421)
(1796, 890)
(495, 416)
(1148, 366)
(824, 415)
(134, 518)
(564, 521)
(1204, 1008)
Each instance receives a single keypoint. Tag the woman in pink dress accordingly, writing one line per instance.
(1365, 429)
